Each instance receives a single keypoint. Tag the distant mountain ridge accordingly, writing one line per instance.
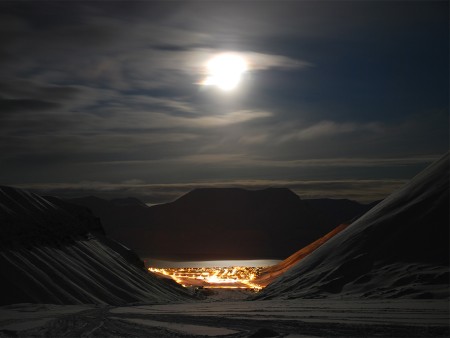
(222, 223)
(55, 252)
(128, 201)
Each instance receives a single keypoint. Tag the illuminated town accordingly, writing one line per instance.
(235, 277)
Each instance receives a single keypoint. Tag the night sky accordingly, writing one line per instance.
(341, 99)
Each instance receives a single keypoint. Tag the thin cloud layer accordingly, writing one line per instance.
(96, 92)
(364, 191)
(330, 128)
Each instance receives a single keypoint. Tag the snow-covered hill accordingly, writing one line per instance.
(399, 249)
(269, 274)
(55, 252)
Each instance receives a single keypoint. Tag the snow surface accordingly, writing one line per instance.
(398, 249)
(54, 252)
(198, 330)
(284, 318)
(21, 317)
(386, 312)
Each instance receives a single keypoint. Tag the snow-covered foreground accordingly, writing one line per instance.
(282, 318)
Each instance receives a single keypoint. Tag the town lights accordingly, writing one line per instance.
(235, 277)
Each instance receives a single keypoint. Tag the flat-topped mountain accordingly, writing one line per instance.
(400, 248)
(55, 252)
(222, 223)
(237, 196)
(233, 223)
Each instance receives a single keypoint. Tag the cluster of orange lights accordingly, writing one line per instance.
(235, 277)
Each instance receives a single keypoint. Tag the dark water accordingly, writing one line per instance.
(156, 263)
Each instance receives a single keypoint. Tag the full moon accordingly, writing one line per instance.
(225, 71)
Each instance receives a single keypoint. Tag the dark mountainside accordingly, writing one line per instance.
(233, 223)
(54, 252)
(223, 223)
(116, 217)
(337, 211)
(399, 249)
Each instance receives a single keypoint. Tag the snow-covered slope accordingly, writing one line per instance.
(55, 252)
(400, 248)
(269, 274)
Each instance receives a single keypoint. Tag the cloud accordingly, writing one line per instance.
(228, 119)
(159, 120)
(236, 160)
(262, 61)
(253, 139)
(23, 105)
(20, 88)
(360, 190)
(330, 128)
(91, 91)
(96, 49)
(162, 68)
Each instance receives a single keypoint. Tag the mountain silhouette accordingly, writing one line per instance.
(222, 223)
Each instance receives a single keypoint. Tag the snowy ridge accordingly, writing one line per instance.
(26, 218)
(269, 274)
(54, 252)
(398, 249)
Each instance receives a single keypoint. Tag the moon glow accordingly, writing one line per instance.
(225, 71)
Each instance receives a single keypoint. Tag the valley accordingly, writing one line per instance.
(385, 274)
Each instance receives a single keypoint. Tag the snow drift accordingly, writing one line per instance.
(398, 249)
(55, 252)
